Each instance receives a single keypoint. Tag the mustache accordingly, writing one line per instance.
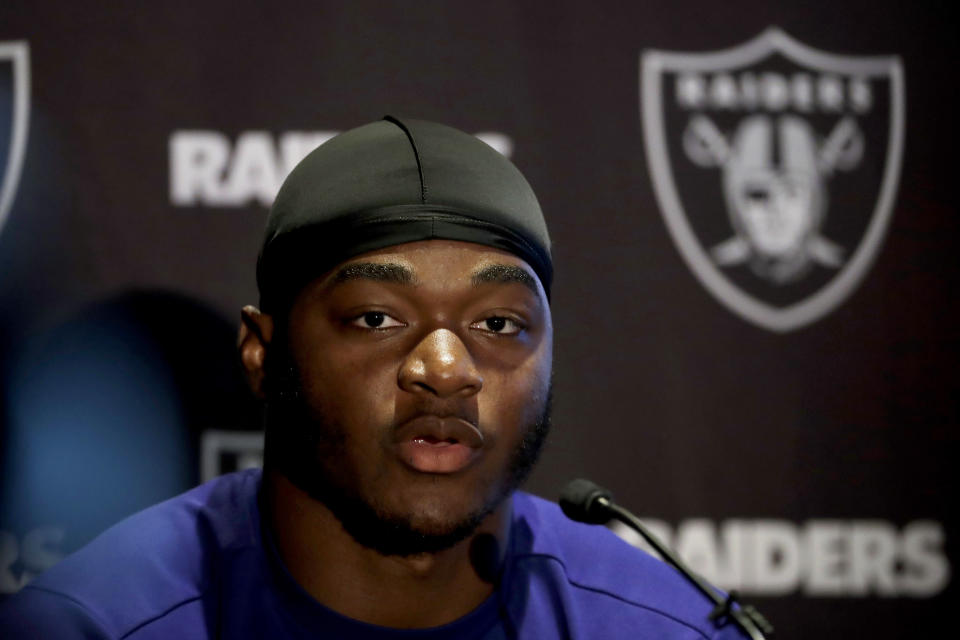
(452, 419)
(426, 407)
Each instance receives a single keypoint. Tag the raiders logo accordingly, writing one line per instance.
(775, 166)
(14, 110)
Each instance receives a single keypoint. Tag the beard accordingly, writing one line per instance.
(309, 448)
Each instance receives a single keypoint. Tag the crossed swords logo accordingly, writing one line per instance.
(806, 116)
(774, 173)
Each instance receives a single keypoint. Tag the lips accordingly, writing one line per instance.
(437, 444)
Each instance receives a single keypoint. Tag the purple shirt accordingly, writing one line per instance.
(198, 566)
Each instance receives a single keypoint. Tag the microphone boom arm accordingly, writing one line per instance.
(746, 617)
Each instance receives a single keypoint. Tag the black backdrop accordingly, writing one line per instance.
(808, 464)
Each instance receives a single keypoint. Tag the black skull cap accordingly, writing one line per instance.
(391, 182)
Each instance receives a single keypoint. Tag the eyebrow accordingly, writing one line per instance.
(400, 274)
(378, 271)
(505, 274)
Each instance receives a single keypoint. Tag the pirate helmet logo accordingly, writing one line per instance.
(776, 133)
(14, 110)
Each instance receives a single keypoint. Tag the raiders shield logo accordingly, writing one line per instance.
(14, 110)
(775, 166)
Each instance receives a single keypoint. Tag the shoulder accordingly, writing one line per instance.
(605, 586)
(158, 563)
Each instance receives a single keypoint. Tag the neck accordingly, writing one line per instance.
(402, 592)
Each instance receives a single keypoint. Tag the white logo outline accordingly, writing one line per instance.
(772, 40)
(18, 53)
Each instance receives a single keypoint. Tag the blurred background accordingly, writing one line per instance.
(754, 217)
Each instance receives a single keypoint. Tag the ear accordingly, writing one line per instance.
(256, 331)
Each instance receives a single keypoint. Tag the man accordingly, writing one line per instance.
(403, 349)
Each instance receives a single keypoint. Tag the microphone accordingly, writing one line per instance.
(583, 501)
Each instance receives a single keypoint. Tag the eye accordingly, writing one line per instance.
(498, 324)
(376, 320)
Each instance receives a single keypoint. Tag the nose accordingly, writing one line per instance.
(440, 365)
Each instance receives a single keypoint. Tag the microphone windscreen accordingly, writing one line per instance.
(579, 501)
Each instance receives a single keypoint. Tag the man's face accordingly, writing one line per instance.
(422, 376)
